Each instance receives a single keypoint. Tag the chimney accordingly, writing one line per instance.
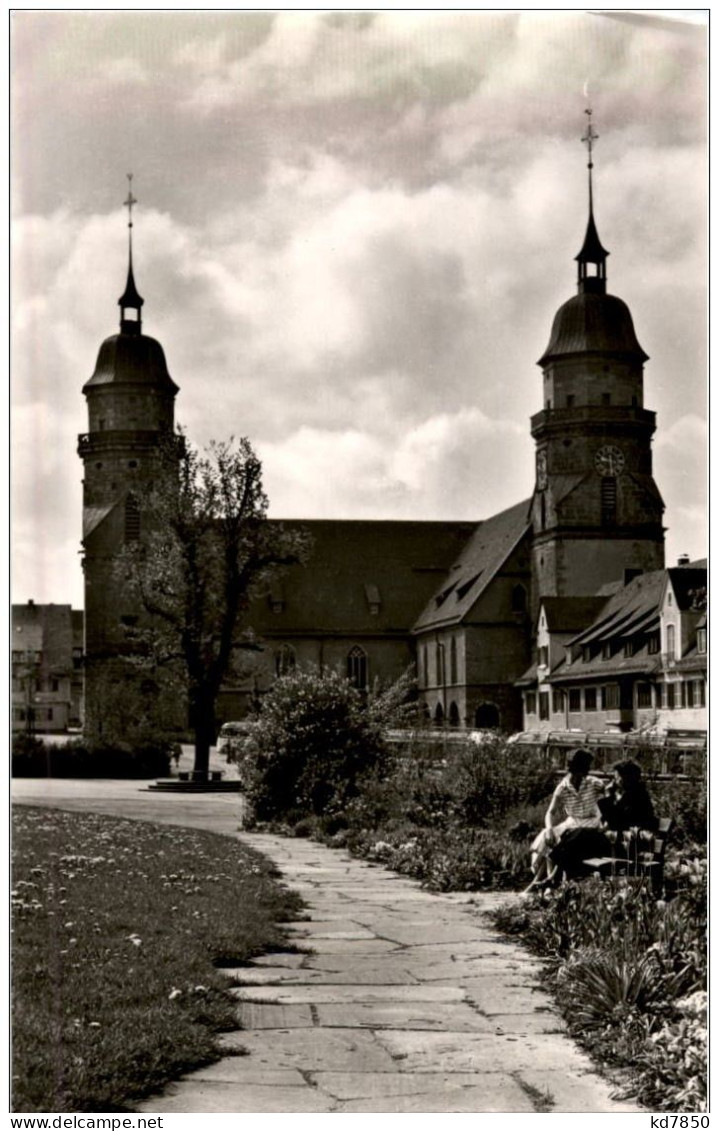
(31, 604)
(683, 559)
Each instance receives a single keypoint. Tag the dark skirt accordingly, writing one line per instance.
(577, 845)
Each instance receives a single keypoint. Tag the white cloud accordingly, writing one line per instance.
(358, 247)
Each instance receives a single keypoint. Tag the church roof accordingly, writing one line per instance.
(592, 323)
(571, 614)
(131, 359)
(363, 577)
(486, 551)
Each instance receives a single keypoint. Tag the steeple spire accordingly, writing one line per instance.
(131, 298)
(592, 250)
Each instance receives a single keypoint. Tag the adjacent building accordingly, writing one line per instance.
(47, 667)
(638, 663)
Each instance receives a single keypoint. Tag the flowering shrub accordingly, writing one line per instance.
(314, 740)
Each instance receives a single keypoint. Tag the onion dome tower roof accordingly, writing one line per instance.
(131, 357)
(592, 321)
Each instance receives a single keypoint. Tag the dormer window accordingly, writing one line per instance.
(701, 641)
(586, 653)
(373, 599)
(606, 650)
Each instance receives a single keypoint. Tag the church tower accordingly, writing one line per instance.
(130, 402)
(596, 510)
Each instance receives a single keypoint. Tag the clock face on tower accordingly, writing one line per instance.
(541, 470)
(609, 460)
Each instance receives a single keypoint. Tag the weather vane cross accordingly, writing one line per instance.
(130, 200)
(590, 136)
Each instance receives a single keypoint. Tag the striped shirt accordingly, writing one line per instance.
(581, 804)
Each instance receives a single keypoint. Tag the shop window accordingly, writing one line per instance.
(557, 701)
(575, 699)
(610, 697)
(543, 704)
(590, 699)
(531, 702)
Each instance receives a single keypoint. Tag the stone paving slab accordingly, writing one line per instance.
(377, 1085)
(342, 994)
(474, 1052)
(255, 1015)
(340, 1050)
(383, 974)
(214, 1096)
(426, 1015)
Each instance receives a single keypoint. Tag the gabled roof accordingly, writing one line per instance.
(628, 610)
(685, 581)
(571, 614)
(483, 556)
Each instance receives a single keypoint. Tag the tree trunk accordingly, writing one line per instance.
(203, 722)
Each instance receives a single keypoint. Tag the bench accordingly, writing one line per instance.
(647, 860)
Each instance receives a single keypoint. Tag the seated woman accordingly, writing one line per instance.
(572, 823)
(627, 810)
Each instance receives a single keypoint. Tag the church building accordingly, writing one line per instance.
(459, 600)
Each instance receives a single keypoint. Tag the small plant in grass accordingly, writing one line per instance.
(118, 927)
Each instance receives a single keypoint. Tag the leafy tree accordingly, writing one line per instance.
(207, 549)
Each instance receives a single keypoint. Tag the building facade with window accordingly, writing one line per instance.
(46, 656)
(639, 664)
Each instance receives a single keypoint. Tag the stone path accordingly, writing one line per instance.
(391, 999)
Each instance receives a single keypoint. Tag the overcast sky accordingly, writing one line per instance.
(352, 235)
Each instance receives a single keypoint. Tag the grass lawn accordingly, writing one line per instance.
(118, 927)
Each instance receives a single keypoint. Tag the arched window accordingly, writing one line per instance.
(439, 657)
(486, 716)
(132, 519)
(439, 715)
(357, 668)
(453, 661)
(453, 714)
(519, 599)
(285, 660)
